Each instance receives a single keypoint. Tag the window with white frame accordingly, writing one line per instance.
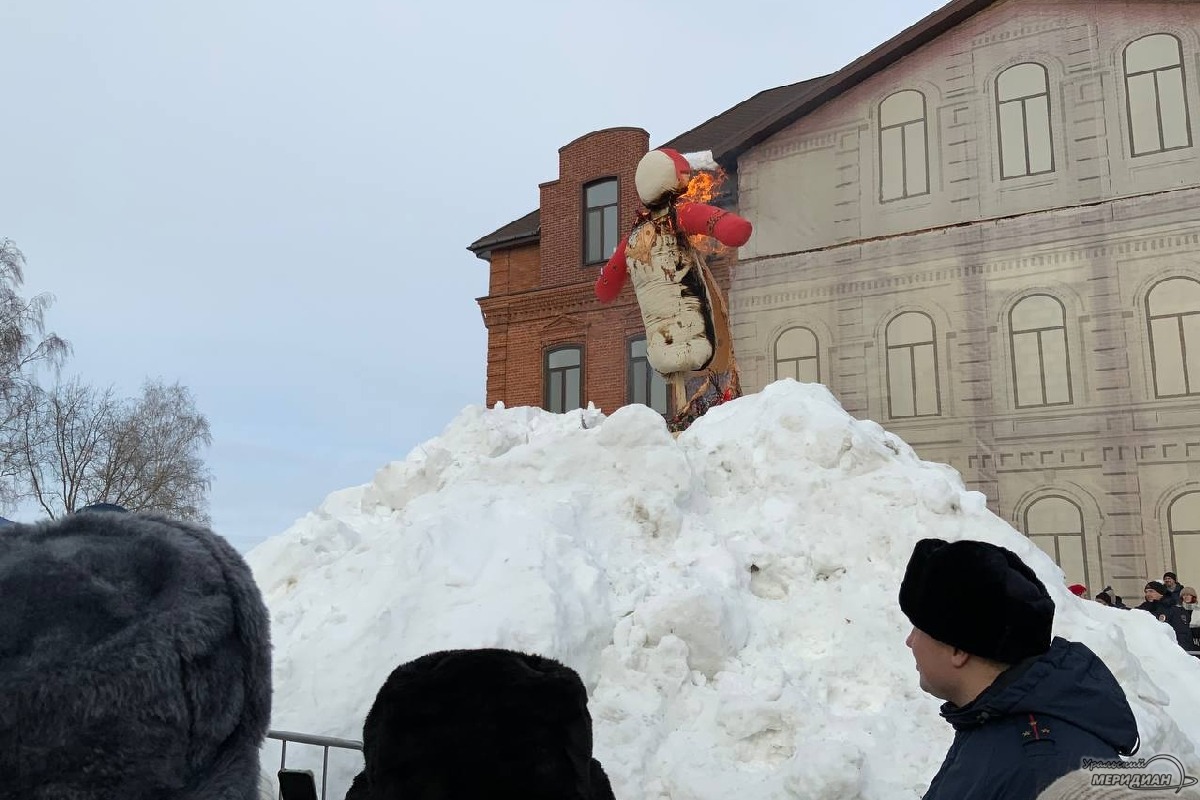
(1183, 523)
(600, 221)
(797, 356)
(1055, 524)
(1156, 95)
(912, 368)
(903, 146)
(1173, 317)
(1023, 111)
(1041, 361)
(563, 378)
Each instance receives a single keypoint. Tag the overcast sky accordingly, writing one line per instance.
(270, 201)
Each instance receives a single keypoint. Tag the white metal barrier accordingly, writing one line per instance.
(324, 742)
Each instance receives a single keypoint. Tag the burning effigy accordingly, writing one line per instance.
(688, 339)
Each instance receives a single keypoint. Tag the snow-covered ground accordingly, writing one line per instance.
(728, 597)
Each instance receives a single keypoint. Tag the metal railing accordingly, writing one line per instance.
(324, 742)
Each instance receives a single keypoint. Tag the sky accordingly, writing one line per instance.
(270, 201)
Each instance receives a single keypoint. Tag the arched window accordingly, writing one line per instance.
(1040, 361)
(1023, 110)
(1173, 318)
(1156, 96)
(797, 356)
(646, 386)
(600, 221)
(903, 146)
(563, 378)
(912, 368)
(1183, 523)
(1055, 524)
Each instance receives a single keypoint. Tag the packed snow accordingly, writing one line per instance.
(729, 597)
(702, 160)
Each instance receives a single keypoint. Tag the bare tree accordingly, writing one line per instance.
(80, 445)
(24, 346)
(24, 342)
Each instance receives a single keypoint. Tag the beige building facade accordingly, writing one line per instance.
(991, 245)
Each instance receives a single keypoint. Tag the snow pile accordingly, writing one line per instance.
(728, 597)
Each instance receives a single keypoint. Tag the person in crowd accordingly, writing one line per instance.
(135, 661)
(1173, 586)
(1158, 602)
(1190, 608)
(1026, 708)
(1111, 599)
(1077, 589)
(113, 507)
(468, 724)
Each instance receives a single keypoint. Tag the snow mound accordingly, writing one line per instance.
(728, 597)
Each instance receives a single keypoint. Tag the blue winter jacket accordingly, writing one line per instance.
(1033, 725)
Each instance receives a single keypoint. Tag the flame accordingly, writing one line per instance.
(703, 188)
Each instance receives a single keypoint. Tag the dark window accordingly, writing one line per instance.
(646, 386)
(1156, 95)
(600, 221)
(564, 379)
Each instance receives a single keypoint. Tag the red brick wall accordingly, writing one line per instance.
(604, 154)
(525, 264)
(498, 272)
(541, 294)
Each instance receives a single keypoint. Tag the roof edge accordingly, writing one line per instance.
(616, 129)
(876, 60)
(484, 250)
(736, 106)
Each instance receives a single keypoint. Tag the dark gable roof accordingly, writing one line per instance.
(519, 231)
(728, 124)
(752, 121)
(882, 57)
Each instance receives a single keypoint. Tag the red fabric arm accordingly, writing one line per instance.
(726, 227)
(612, 276)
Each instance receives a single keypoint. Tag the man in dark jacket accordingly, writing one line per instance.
(1159, 602)
(1025, 709)
(1174, 587)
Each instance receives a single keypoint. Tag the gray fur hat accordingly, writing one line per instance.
(134, 662)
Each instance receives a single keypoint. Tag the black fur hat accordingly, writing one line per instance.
(977, 597)
(466, 724)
